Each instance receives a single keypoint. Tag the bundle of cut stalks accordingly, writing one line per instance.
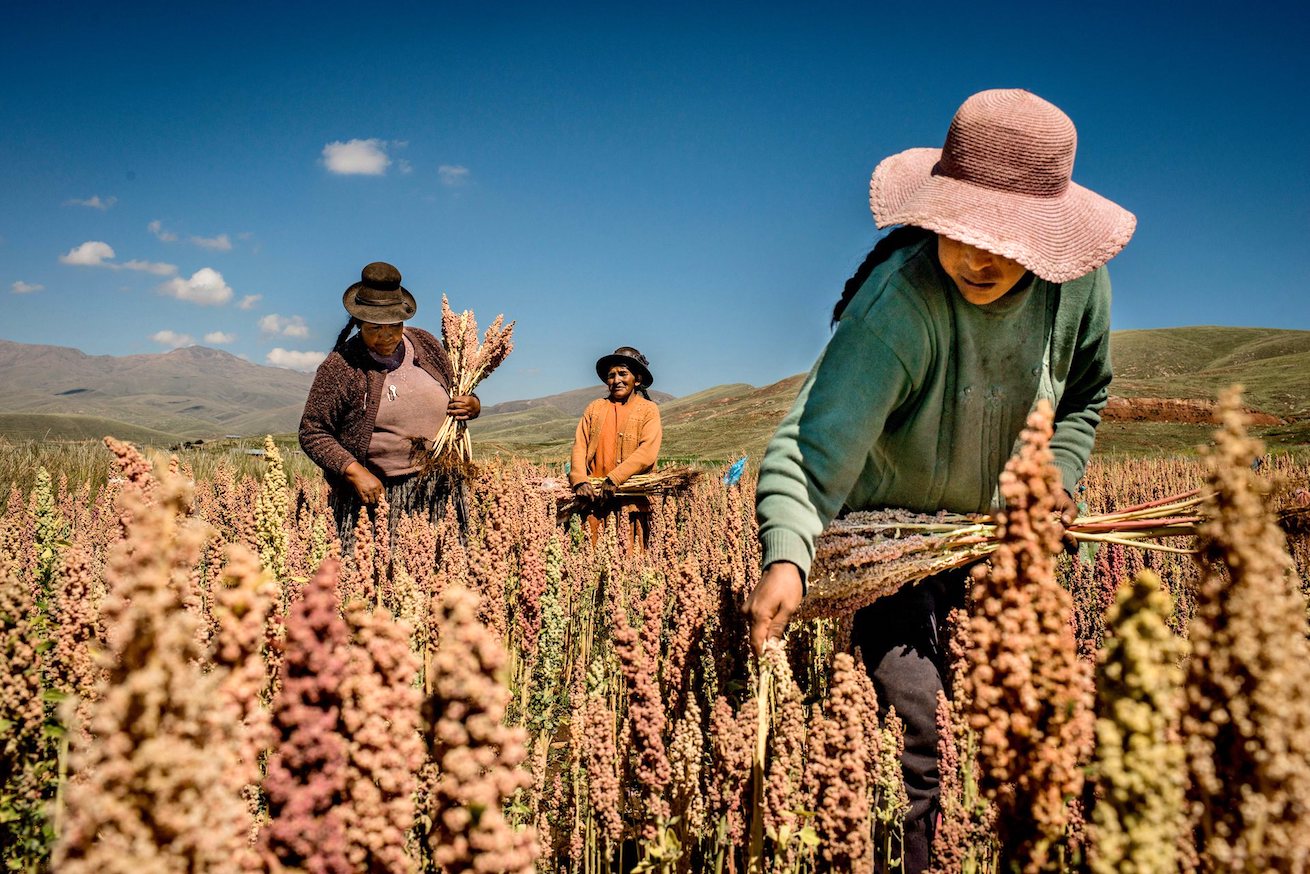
(663, 481)
(471, 362)
(865, 556)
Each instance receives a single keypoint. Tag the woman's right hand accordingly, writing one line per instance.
(774, 600)
(367, 486)
(585, 490)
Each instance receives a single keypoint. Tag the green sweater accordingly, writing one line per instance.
(919, 397)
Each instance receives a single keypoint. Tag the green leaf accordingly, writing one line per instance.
(809, 837)
(1087, 552)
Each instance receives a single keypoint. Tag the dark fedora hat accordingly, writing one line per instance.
(630, 358)
(378, 296)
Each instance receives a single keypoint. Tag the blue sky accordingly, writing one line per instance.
(690, 179)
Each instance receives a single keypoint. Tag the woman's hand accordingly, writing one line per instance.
(586, 491)
(1066, 513)
(773, 601)
(464, 407)
(367, 486)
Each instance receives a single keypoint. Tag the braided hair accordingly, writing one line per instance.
(899, 238)
(340, 346)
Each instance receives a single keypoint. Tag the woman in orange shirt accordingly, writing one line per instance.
(618, 437)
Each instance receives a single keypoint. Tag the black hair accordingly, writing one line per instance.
(340, 346)
(899, 238)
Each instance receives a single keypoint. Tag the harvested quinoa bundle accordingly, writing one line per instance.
(1247, 718)
(867, 555)
(470, 362)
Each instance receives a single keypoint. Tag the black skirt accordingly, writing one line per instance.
(429, 495)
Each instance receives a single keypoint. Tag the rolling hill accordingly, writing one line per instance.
(1166, 381)
(189, 392)
(1272, 364)
(1164, 390)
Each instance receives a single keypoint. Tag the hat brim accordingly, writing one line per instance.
(379, 314)
(1058, 238)
(607, 361)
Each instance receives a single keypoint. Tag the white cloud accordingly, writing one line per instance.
(248, 302)
(92, 253)
(156, 227)
(172, 339)
(305, 361)
(221, 243)
(156, 267)
(219, 338)
(287, 326)
(21, 287)
(453, 175)
(205, 287)
(404, 166)
(95, 201)
(357, 157)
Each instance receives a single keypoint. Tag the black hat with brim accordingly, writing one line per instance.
(629, 358)
(378, 297)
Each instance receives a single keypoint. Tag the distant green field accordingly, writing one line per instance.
(1272, 365)
(54, 426)
(89, 460)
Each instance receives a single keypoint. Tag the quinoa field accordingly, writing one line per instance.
(193, 678)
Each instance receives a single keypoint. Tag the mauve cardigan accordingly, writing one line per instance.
(337, 425)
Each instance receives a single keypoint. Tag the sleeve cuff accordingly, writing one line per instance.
(1069, 476)
(779, 544)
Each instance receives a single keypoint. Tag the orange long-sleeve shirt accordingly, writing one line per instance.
(636, 435)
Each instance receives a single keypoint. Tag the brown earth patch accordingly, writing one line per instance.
(1187, 411)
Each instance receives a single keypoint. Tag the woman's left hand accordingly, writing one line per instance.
(1066, 513)
(464, 407)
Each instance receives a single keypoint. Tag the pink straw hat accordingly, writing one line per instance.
(1003, 183)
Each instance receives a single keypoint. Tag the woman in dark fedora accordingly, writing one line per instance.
(377, 400)
(990, 295)
(618, 437)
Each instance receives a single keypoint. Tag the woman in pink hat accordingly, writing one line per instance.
(990, 294)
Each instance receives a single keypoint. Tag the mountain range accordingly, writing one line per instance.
(190, 392)
(1165, 383)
